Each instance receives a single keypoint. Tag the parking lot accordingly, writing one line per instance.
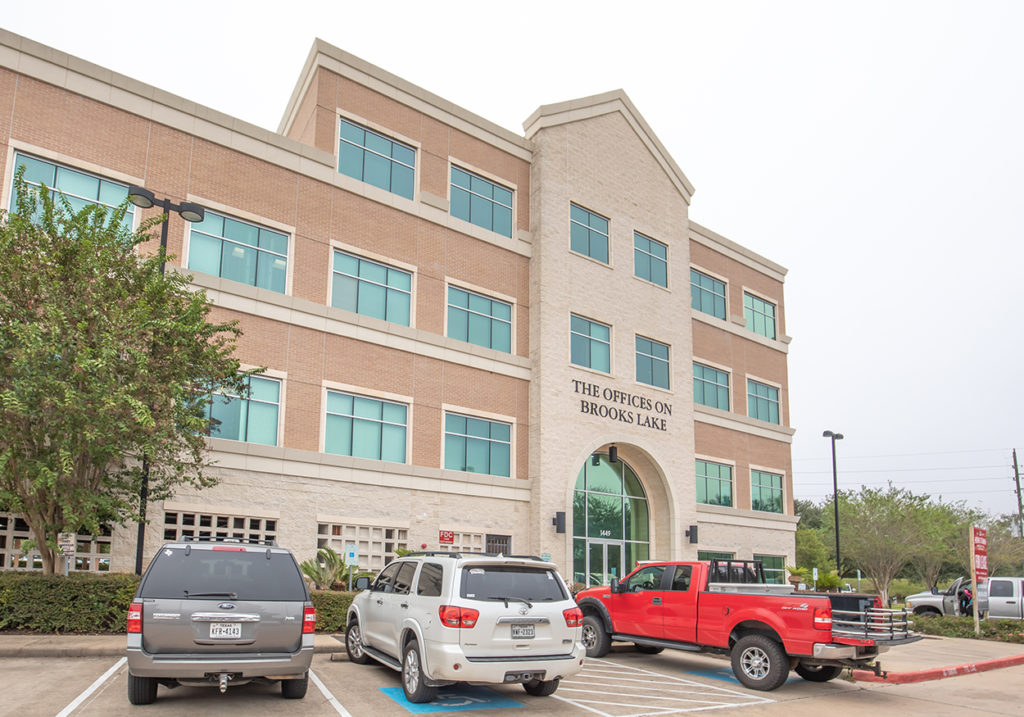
(623, 684)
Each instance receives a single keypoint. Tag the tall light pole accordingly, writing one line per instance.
(144, 199)
(835, 492)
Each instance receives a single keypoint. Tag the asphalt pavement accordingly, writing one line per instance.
(928, 659)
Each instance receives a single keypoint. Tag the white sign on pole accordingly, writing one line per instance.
(66, 547)
(351, 554)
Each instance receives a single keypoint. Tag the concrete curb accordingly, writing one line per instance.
(938, 673)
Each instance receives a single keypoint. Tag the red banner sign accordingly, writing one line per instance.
(445, 537)
(979, 548)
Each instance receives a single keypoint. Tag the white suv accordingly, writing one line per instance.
(441, 618)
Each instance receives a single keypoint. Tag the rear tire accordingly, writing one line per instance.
(416, 690)
(295, 689)
(759, 662)
(141, 690)
(818, 673)
(649, 649)
(537, 688)
(354, 645)
(595, 639)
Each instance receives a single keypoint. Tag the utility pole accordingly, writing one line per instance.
(1020, 510)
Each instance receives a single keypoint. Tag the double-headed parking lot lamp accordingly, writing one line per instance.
(835, 492)
(190, 212)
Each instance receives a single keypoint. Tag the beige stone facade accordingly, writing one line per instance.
(596, 153)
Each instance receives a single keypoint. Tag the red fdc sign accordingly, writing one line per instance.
(979, 543)
(445, 537)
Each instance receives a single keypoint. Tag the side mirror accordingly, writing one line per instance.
(362, 583)
(615, 587)
(935, 590)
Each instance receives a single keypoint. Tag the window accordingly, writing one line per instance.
(79, 188)
(430, 581)
(650, 259)
(591, 344)
(240, 251)
(714, 555)
(588, 233)
(475, 445)
(179, 524)
(92, 552)
(376, 545)
(499, 544)
(373, 158)
(765, 491)
(648, 578)
(371, 289)
(710, 386)
(252, 419)
(760, 315)
(481, 202)
(707, 294)
(365, 427)
(681, 580)
(1000, 588)
(651, 362)
(476, 319)
(762, 401)
(774, 568)
(714, 483)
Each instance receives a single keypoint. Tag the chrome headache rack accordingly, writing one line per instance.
(875, 623)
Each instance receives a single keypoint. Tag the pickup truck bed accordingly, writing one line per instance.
(766, 629)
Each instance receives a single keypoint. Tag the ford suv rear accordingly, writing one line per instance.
(219, 613)
(441, 618)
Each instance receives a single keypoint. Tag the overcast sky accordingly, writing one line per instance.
(875, 149)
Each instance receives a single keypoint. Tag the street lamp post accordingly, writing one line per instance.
(144, 199)
(835, 492)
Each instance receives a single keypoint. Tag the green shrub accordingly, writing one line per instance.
(1001, 630)
(53, 603)
(331, 609)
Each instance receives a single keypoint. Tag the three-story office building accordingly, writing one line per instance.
(473, 339)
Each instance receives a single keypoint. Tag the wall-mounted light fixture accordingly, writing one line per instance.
(613, 454)
(595, 460)
(559, 521)
(692, 533)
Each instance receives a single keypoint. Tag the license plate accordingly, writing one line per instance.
(226, 629)
(522, 632)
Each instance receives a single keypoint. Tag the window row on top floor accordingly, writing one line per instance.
(714, 483)
(589, 236)
(390, 164)
(708, 295)
(362, 427)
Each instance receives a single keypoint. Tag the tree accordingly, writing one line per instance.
(810, 513)
(880, 531)
(811, 552)
(1005, 549)
(106, 363)
(944, 528)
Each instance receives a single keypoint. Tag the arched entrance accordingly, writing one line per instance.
(610, 521)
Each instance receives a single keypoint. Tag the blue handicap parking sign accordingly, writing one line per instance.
(452, 699)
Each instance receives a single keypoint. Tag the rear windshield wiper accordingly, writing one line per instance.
(511, 597)
(230, 596)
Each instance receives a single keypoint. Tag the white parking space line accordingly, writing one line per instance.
(73, 705)
(613, 689)
(331, 699)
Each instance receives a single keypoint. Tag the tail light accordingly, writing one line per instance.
(573, 617)
(877, 603)
(822, 618)
(135, 617)
(308, 620)
(460, 617)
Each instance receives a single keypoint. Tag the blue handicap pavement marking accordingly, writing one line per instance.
(452, 699)
(725, 674)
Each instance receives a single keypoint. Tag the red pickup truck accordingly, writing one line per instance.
(726, 606)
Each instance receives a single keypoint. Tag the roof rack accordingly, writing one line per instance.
(220, 539)
(450, 554)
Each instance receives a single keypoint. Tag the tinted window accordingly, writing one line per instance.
(430, 580)
(497, 582)
(681, 581)
(386, 580)
(228, 574)
(646, 579)
(403, 580)
(1000, 588)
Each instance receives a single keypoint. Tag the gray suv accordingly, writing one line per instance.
(218, 612)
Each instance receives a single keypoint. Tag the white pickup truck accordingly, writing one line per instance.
(1005, 598)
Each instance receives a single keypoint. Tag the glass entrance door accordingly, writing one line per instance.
(604, 562)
